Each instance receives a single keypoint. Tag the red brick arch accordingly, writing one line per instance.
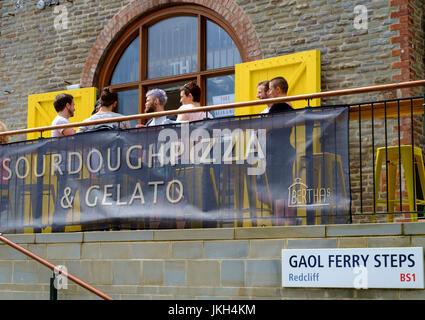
(227, 9)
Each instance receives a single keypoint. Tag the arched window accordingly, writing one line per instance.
(169, 48)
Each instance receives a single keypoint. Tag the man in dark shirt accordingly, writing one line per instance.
(281, 154)
(278, 87)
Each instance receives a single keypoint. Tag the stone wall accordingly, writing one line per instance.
(36, 56)
(241, 263)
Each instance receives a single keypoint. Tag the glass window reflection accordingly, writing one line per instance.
(128, 104)
(221, 50)
(173, 47)
(127, 69)
(221, 90)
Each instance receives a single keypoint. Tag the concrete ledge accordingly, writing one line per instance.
(353, 230)
(139, 235)
(414, 228)
(280, 232)
(376, 229)
(311, 243)
(59, 237)
(195, 234)
(20, 238)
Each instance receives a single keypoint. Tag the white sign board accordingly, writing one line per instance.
(224, 99)
(353, 268)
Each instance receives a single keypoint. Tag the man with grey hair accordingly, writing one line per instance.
(155, 102)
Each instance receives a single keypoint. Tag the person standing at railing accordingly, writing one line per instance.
(262, 93)
(190, 98)
(278, 88)
(280, 168)
(108, 104)
(65, 107)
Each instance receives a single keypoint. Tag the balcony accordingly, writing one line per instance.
(337, 172)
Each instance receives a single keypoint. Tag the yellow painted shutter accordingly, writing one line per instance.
(41, 111)
(301, 70)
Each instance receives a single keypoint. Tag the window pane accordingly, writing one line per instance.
(221, 50)
(128, 104)
(221, 90)
(127, 69)
(173, 47)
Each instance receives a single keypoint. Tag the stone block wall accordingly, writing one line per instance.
(240, 263)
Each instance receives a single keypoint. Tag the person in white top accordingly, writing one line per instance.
(190, 98)
(65, 108)
(108, 103)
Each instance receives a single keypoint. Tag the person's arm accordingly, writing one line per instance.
(183, 117)
(68, 131)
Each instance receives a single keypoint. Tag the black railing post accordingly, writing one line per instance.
(53, 290)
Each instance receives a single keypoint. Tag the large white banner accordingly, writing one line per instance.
(359, 268)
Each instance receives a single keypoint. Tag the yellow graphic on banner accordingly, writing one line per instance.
(41, 111)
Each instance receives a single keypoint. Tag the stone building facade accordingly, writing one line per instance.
(38, 56)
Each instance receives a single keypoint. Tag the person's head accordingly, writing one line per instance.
(3, 128)
(109, 99)
(262, 89)
(278, 87)
(190, 93)
(155, 100)
(64, 104)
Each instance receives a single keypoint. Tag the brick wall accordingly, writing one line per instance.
(242, 263)
(410, 38)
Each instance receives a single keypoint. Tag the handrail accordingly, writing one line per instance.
(235, 105)
(53, 267)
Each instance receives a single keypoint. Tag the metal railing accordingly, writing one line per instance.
(387, 178)
(371, 120)
(236, 105)
(55, 268)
